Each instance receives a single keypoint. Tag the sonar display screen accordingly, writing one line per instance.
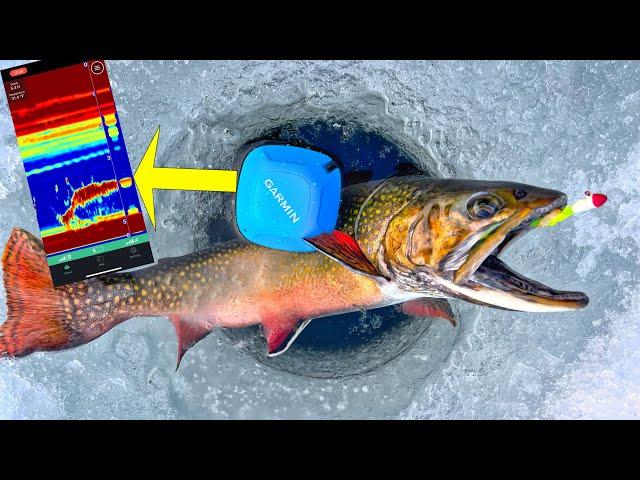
(77, 168)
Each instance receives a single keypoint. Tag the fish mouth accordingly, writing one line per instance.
(486, 279)
(525, 225)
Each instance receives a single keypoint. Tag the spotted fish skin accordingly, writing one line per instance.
(232, 284)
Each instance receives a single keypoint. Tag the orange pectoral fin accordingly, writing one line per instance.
(190, 329)
(281, 333)
(429, 307)
(343, 248)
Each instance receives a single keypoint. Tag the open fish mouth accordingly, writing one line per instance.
(525, 225)
(488, 280)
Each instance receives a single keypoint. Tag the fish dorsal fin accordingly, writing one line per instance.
(280, 334)
(429, 307)
(190, 329)
(343, 248)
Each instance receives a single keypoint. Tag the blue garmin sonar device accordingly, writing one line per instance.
(286, 193)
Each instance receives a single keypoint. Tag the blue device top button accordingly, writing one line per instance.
(286, 193)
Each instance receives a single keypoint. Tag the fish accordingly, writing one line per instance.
(411, 241)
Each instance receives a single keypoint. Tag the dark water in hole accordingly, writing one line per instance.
(350, 343)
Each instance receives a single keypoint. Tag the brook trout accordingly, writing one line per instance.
(407, 240)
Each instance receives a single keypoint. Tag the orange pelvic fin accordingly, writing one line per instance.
(281, 333)
(190, 329)
(429, 307)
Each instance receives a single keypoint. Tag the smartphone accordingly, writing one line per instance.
(74, 155)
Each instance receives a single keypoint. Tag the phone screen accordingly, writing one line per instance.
(77, 167)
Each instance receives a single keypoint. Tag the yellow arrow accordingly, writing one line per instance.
(149, 178)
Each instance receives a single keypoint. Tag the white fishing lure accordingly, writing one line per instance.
(588, 202)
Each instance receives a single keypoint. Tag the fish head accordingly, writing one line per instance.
(443, 238)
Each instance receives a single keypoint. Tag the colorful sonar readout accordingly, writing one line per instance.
(77, 168)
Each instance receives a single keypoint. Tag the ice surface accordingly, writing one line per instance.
(565, 125)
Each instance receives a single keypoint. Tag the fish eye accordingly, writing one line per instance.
(519, 194)
(484, 206)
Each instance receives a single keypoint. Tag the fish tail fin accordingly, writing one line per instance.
(36, 316)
